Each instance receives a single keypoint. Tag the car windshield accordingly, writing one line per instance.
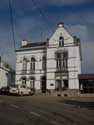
(14, 86)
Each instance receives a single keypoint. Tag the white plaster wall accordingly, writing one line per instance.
(3, 78)
(73, 84)
(37, 54)
(73, 61)
(68, 39)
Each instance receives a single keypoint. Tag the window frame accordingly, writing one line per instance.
(24, 66)
(44, 63)
(61, 41)
(32, 65)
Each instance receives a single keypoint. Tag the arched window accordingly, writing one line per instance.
(24, 68)
(32, 65)
(44, 63)
(61, 41)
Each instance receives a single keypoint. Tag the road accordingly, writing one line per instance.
(42, 110)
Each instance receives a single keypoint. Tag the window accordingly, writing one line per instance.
(23, 80)
(44, 63)
(32, 65)
(32, 83)
(61, 61)
(65, 60)
(59, 84)
(61, 41)
(24, 66)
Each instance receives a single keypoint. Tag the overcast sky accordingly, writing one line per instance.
(35, 20)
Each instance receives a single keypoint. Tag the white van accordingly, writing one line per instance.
(19, 89)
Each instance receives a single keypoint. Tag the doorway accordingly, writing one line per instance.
(61, 84)
(32, 83)
(43, 84)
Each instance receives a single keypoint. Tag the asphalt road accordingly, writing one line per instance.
(42, 110)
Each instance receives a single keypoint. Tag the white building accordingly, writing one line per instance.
(52, 65)
(7, 75)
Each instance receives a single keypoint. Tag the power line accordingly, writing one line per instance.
(12, 24)
(42, 15)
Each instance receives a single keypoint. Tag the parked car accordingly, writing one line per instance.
(4, 90)
(20, 89)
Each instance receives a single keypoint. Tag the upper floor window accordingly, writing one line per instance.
(65, 59)
(24, 69)
(44, 63)
(61, 41)
(32, 64)
(61, 61)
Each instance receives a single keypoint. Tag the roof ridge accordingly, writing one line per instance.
(34, 44)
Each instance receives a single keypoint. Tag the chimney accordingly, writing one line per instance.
(60, 25)
(24, 42)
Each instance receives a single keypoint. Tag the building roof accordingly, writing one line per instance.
(36, 44)
(5, 66)
(86, 76)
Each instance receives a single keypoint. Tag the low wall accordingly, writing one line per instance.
(63, 93)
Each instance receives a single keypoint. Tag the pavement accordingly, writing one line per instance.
(43, 110)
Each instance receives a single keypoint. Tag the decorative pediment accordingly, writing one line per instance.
(61, 32)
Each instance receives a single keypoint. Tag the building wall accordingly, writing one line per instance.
(73, 58)
(37, 54)
(6, 77)
(3, 78)
(52, 48)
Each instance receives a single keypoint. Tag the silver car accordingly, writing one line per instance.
(19, 89)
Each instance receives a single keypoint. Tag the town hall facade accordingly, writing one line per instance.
(51, 65)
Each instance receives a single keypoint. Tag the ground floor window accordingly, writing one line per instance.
(43, 84)
(32, 83)
(86, 86)
(61, 84)
(65, 83)
(23, 79)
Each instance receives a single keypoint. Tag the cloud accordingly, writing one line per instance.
(40, 3)
(33, 26)
(6, 46)
(87, 46)
(88, 57)
(63, 2)
(79, 17)
(31, 29)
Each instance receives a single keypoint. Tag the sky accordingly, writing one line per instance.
(36, 20)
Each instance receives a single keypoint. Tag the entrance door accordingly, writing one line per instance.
(43, 84)
(65, 84)
(32, 83)
(59, 84)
